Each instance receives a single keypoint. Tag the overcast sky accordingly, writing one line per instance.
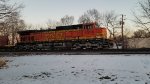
(39, 11)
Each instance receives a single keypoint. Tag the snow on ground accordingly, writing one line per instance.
(77, 69)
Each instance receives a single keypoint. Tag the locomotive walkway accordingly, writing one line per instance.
(77, 52)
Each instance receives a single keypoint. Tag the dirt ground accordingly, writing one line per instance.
(77, 69)
(2, 62)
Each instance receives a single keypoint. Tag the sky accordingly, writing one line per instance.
(38, 12)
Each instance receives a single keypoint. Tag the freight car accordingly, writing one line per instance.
(80, 36)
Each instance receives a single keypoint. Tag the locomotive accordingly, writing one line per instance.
(79, 36)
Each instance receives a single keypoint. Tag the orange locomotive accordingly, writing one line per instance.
(80, 36)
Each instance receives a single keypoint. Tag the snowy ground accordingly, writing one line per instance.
(77, 69)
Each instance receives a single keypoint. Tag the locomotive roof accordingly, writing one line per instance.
(26, 32)
(78, 26)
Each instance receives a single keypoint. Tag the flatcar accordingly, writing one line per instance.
(80, 36)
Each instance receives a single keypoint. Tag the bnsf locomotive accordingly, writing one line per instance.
(80, 36)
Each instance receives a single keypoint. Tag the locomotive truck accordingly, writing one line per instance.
(80, 36)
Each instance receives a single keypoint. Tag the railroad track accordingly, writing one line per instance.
(77, 52)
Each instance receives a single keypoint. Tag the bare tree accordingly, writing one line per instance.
(30, 27)
(143, 19)
(6, 9)
(110, 20)
(10, 21)
(91, 15)
(52, 24)
(147, 35)
(84, 19)
(14, 24)
(67, 20)
(139, 34)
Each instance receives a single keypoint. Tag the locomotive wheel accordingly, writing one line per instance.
(76, 46)
(88, 45)
(96, 46)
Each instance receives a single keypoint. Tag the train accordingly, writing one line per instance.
(72, 37)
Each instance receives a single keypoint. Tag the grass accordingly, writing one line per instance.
(2, 62)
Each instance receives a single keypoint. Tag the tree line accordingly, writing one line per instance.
(11, 22)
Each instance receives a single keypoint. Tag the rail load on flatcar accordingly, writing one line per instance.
(80, 36)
